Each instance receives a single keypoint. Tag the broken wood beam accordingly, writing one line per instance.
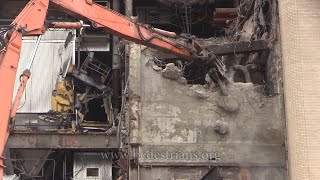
(238, 47)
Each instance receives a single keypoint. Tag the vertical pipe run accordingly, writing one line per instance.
(79, 39)
(128, 8)
(116, 64)
(34, 51)
(8, 163)
(300, 27)
(188, 24)
(128, 13)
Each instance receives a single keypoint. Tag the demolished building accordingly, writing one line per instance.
(99, 107)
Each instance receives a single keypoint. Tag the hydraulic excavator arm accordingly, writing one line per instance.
(31, 22)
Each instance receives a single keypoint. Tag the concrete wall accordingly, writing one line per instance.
(173, 124)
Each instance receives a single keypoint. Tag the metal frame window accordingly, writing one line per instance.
(92, 172)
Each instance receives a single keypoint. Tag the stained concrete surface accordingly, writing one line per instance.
(174, 126)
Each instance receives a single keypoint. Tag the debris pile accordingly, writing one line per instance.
(171, 72)
(245, 54)
(229, 103)
(199, 91)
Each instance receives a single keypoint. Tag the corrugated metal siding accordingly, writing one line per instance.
(95, 43)
(50, 57)
(10, 177)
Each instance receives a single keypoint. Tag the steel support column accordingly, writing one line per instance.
(29, 140)
(129, 8)
(116, 63)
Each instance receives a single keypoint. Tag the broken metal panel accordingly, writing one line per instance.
(88, 80)
(96, 68)
(37, 122)
(89, 165)
(31, 161)
(36, 140)
(49, 60)
(10, 177)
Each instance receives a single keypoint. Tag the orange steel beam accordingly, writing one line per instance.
(125, 28)
(29, 22)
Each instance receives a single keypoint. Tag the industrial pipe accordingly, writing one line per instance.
(220, 21)
(68, 25)
(226, 11)
(165, 33)
(116, 64)
(129, 8)
(225, 16)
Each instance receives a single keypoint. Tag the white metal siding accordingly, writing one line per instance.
(85, 160)
(50, 57)
(95, 43)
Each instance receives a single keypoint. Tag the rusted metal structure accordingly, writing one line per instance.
(67, 140)
(31, 22)
(179, 120)
(222, 16)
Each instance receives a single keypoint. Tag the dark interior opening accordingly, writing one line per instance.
(96, 111)
(92, 172)
(195, 73)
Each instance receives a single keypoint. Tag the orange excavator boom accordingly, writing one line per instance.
(31, 22)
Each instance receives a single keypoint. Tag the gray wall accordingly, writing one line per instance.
(169, 121)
